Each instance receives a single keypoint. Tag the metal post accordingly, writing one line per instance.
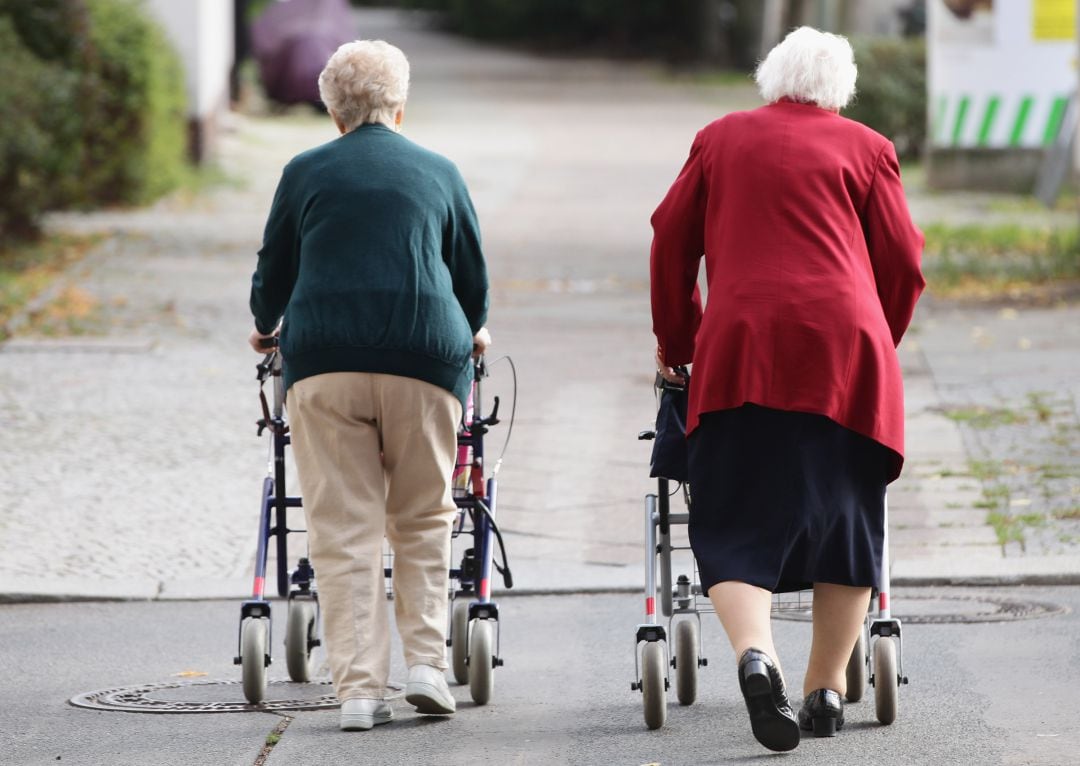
(772, 23)
(650, 559)
(885, 594)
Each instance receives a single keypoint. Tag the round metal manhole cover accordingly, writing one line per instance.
(942, 609)
(210, 696)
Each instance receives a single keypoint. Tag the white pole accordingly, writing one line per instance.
(1076, 68)
(772, 20)
(885, 594)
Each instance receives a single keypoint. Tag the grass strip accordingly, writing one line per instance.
(27, 269)
(984, 261)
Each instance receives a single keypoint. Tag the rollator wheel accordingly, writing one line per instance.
(653, 691)
(459, 641)
(253, 658)
(886, 680)
(481, 661)
(686, 661)
(299, 633)
(856, 669)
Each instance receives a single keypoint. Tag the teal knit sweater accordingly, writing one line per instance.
(372, 254)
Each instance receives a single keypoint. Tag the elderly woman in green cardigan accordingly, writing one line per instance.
(371, 262)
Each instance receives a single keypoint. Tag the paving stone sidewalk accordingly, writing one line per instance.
(130, 466)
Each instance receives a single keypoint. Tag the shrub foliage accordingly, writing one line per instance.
(668, 28)
(891, 91)
(92, 108)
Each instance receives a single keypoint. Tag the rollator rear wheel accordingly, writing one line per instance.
(686, 661)
(481, 661)
(459, 640)
(253, 658)
(886, 680)
(299, 633)
(653, 691)
(856, 669)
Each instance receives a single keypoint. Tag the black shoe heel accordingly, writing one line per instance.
(756, 678)
(822, 713)
(771, 719)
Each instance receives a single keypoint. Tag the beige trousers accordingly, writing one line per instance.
(375, 454)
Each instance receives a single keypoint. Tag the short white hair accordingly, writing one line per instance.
(365, 81)
(811, 67)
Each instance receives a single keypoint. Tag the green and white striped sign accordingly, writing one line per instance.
(1001, 75)
(996, 121)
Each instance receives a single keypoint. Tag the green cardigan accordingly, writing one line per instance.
(372, 254)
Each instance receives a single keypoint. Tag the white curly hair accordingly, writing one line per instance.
(365, 81)
(811, 67)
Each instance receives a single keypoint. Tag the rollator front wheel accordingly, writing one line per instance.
(481, 661)
(299, 633)
(653, 686)
(253, 656)
(686, 661)
(856, 669)
(459, 641)
(886, 680)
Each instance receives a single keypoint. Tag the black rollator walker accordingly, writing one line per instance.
(875, 659)
(473, 632)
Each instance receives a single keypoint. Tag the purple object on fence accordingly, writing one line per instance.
(292, 41)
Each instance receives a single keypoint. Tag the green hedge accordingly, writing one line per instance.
(92, 108)
(891, 91)
(668, 28)
(37, 158)
(135, 148)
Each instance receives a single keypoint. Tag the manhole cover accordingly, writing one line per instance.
(222, 696)
(929, 609)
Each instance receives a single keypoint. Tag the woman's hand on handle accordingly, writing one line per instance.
(666, 372)
(263, 343)
(480, 342)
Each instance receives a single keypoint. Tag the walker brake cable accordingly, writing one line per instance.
(504, 570)
(513, 412)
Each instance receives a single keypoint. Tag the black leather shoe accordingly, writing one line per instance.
(762, 687)
(822, 713)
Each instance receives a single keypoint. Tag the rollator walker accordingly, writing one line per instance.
(473, 631)
(876, 658)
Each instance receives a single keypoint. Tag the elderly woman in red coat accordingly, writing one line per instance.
(796, 407)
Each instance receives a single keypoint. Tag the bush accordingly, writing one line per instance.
(39, 142)
(92, 108)
(669, 28)
(891, 91)
(135, 143)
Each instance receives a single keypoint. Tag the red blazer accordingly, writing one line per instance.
(812, 266)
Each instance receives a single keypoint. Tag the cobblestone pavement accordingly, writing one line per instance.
(130, 464)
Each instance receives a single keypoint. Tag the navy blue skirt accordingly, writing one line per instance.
(783, 500)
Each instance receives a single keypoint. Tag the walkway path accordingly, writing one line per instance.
(130, 465)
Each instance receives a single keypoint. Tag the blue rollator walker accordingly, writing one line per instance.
(473, 633)
(474, 616)
(302, 624)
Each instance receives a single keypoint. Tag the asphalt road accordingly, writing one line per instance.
(981, 693)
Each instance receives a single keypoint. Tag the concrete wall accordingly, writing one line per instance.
(202, 31)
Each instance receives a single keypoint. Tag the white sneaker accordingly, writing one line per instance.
(362, 714)
(427, 690)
